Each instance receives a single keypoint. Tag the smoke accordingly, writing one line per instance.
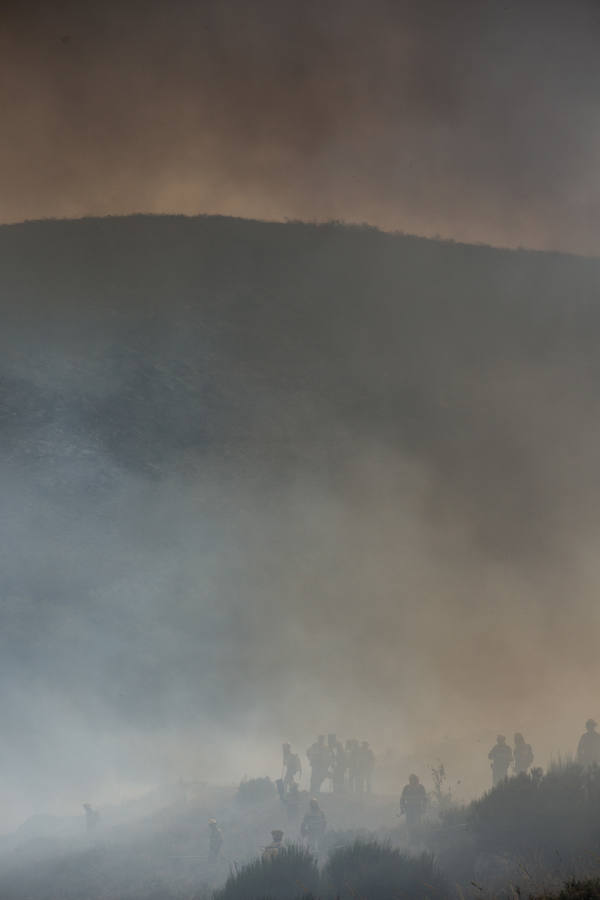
(261, 482)
(473, 120)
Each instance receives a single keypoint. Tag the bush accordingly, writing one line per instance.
(255, 790)
(292, 874)
(377, 871)
(557, 814)
(575, 890)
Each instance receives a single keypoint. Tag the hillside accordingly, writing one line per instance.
(265, 479)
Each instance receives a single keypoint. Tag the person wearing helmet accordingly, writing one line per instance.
(314, 825)
(501, 757)
(523, 755)
(588, 749)
(273, 850)
(413, 802)
(215, 840)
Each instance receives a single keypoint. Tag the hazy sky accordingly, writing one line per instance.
(476, 119)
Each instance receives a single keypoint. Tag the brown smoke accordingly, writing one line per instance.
(476, 120)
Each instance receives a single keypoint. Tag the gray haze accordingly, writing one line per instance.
(263, 481)
(476, 119)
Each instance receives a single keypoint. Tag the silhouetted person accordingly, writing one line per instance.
(366, 766)
(275, 847)
(588, 749)
(523, 755)
(92, 818)
(348, 751)
(319, 758)
(338, 768)
(413, 802)
(501, 757)
(215, 840)
(292, 766)
(352, 764)
(314, 825)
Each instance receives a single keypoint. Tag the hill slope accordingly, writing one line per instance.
(259, 477)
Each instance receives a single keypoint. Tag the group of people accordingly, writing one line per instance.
(349, 767)
(502, 757)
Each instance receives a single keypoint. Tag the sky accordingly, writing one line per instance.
(476, 120)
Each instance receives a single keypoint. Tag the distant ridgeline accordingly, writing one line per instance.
(170, 340)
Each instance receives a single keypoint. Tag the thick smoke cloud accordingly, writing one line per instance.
(264, 481)
(475, 120)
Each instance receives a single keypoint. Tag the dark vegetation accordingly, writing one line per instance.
(575, 890)
(364, 868)
(255, 790)
(379, 871)
(292, 874)
(555, 813)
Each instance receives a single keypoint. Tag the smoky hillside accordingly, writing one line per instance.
(263, 480)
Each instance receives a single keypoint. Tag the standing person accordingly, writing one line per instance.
(350, 765)
(215, 840)
(356, 775)
(319, 758)
(413, 802)
(523, 755)
(366, 759)
(292, 767)
(339, 766)
(314, 825)
(588, 749)
(501, 757)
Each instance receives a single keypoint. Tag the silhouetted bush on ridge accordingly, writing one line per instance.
(292, 874)
(378, 871)
(255, 790)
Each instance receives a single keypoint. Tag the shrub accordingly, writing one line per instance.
(292, 874)
(553, 814)
(575, 890)
(378, 871)
(255, 790)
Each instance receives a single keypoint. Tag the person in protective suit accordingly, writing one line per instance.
(523, 755)
(413, 802)
(215, 840)
(588, 749)
(314, 825)
(501, 757)
(319, 757)
(273, 850)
